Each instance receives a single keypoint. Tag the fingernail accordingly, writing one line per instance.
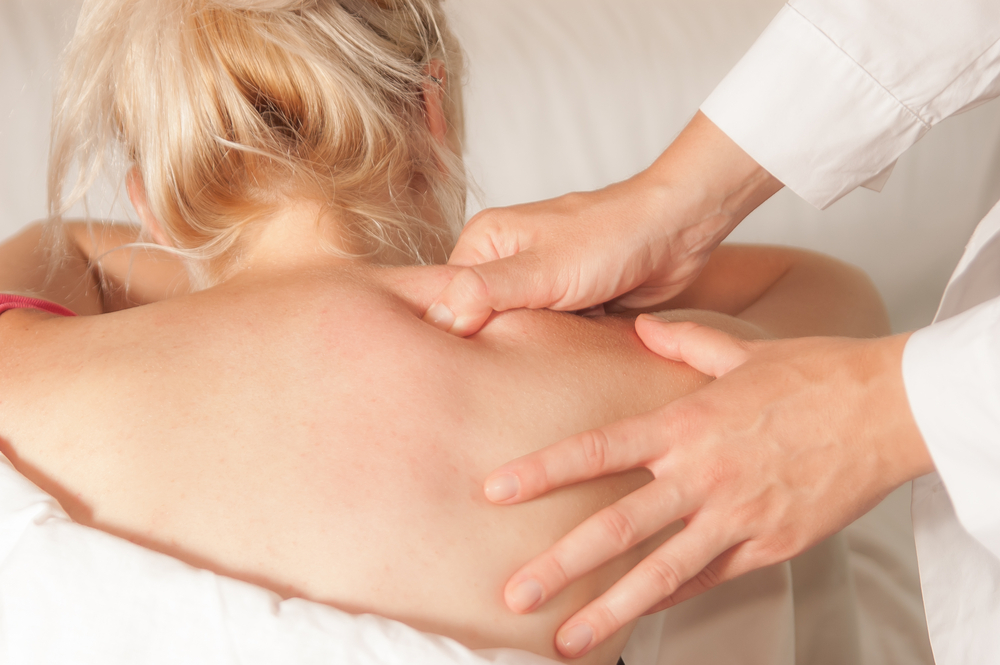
(576, 639)
(524, 596)
(439, 316)
(502, 487)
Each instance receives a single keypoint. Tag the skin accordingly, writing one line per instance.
(264, 430)
(298, 426)
(822, 426)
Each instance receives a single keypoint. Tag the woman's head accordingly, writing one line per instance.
(229, 109)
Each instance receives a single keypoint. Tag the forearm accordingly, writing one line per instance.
(704, 185)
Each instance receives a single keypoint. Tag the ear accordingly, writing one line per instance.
(137, 194)
(435, 80)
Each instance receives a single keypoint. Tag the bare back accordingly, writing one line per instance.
(310, 434)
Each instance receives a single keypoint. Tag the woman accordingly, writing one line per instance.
(262, 398)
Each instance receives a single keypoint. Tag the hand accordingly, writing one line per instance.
(568, 253)
(793, 441)
(640, 241)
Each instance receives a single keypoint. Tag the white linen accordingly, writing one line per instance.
(69, 594)
(857, 82)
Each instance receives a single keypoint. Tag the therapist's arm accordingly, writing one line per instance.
(794, 440)
(826, 101)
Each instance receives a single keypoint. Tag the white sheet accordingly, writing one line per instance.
(69, 594)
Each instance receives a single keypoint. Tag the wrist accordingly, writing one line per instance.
(905, 454)
(703, 186)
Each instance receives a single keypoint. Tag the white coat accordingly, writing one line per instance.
(826, 100)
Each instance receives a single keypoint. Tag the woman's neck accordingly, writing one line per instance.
(302, 233)
(292, 238)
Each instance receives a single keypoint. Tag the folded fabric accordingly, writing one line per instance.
(71, 594)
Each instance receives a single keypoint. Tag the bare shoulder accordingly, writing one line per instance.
(161, 423)
(132, 270)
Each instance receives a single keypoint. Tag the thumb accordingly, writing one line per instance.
(476, 291)
(706, 349)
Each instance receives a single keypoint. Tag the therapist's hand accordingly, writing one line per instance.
(793, 441)
(641, 241)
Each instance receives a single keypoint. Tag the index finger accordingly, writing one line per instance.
(682, 557)
(624, 445)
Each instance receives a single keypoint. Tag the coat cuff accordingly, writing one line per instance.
(952, 375)
(810, 114)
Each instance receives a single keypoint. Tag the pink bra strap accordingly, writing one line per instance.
(10, 301)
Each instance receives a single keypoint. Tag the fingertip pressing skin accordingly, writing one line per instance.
(665, 337)
(524, 596)
(707, 349)
(573, 641)
(502, 487)
(443, 318)
(440, 316)
(463, 306)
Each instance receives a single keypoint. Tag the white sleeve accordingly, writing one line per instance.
(70, 594)
(952, 375)
(835, 90)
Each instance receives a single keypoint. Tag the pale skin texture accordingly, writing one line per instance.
(795, 439)
(299, 427)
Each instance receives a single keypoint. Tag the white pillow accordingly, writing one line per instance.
(69, 594)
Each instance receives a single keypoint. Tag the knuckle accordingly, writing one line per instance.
(619, 527)
(782, 547)
(485, 217)
(604, 619)
(595, 448)
(558, 573)
(494, 222)
(708, 578)
(662, 576)
(468, 286)
(717, 473)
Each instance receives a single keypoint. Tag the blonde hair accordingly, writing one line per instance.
(229, 107)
